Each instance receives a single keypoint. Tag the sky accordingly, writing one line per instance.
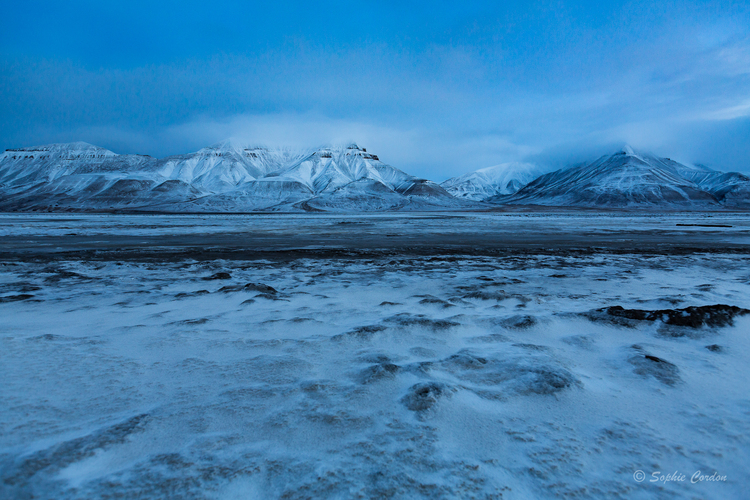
(435, 88)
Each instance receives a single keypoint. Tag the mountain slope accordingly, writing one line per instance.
(503, 179)
(731, 189)
(331, 179)
(625, 179)
(224, 177)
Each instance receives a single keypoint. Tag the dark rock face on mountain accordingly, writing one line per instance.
(222, 178)
(731, 189)
(234, 178)
(634, 180)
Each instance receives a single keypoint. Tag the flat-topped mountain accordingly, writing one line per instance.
(223, 177)
(230, 177)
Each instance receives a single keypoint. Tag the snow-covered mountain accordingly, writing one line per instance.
(503, 179)
(731, 189)
(632, 179)
(223, 177)
(230, 177)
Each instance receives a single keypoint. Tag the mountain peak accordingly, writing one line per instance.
(63, 146)
(229, 144)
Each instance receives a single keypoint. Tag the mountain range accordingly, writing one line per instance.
(228, 177)
(221, 178)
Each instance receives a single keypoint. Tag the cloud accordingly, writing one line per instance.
(437, 93)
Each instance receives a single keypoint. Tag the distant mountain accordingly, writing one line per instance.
(632, 179)
(486, 183)
(231, 177)
(731, 189)
(225, 177)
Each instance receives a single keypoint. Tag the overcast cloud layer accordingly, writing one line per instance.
(437, 89)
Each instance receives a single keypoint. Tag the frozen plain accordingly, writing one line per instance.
(372, 356)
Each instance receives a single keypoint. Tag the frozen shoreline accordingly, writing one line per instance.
(244, 237)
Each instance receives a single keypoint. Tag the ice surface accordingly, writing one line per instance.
(378, 374)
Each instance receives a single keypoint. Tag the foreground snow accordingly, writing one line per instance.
(389, 376)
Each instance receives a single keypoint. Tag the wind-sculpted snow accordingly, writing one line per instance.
(534, 373)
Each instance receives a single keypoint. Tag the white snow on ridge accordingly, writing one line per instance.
(503, 179)
(625, 179)
(230, 176)
(227, 176)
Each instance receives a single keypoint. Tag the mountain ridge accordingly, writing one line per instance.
(626, 179)
(224, 177)
(233, 177)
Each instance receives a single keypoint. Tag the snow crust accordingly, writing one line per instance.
(441, 376)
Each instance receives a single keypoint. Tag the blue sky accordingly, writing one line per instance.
(435, 88)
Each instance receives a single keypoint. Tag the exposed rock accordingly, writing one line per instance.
(260, 287)
(717, 315)
(406, 319)
(430, 299)
(378, 372)
(518, 322)
(424, 396)
(197, 293)
(648, 365)
(218, 276)
(16, 298)
(361, 333)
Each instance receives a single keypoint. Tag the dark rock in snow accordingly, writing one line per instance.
(260, 287)
(16, 298)
(715, 348)
(518, 322)
(360, 333)
(717, 315)
(532, 347)
(424, 396)
(378, 372)
(218, 276)
(497, 376)
(465, 360)
(406, 319)
(197, 293)
(430, 299)
(66, 453)
(647, 365)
